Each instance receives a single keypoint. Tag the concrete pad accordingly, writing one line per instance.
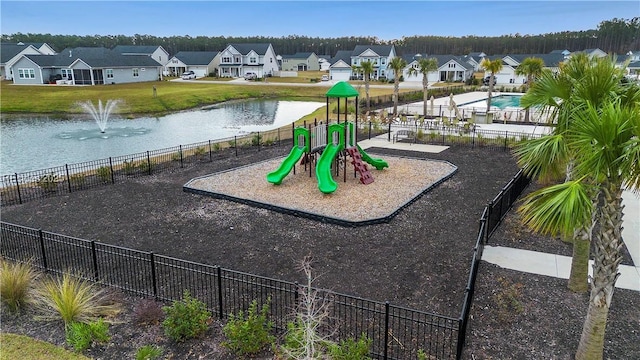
(521, 260)
(535, 262)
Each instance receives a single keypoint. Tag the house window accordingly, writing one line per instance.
(226, 59)
(238, 59)
(110, 73)
(271, 60)
(66, 73)
(383, 61)
(452, 65)
(252, 60)
(160, 58)
(174, 61)
(26, 73)
(382, 73)
(135, 72)
(511, 81)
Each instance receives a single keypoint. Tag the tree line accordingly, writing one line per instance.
(612, 36)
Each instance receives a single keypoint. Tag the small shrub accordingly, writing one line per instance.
(177, 156)
(48, 182)
(231, 143)
(256, 139)
(81, 335)
(77, 180)
(16, 281)
(186, 319)
(422, 355)
(72, 300)
(507, 299)
(199, 151)
(104, 173)
(216, 147)
(420, 134)
(148, 352)
(250, 334)
(129, 167)
(268, 142)
(145, 166)
(351, 349)
(148, 312)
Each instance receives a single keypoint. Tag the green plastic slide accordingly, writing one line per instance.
(289, 162)
(326, 184)
(376, 163)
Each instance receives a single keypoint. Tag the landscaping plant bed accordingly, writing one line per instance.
(420, 259)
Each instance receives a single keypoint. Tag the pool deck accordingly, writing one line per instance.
(460, 100)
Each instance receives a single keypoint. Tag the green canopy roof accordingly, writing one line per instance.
(342, 90)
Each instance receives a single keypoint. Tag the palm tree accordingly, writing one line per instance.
(397, 64)
(493, 67)
(532, 69)
(366, 68)
(579, 79)
(425, 66)
(603, 138)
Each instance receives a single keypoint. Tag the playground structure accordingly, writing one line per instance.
(332, 142)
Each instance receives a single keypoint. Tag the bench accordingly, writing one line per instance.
(405, 134)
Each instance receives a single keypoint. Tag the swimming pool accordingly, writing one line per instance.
(501, 101)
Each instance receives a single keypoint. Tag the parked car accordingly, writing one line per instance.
(325, 78)
(486, 80)
(250, 76)
(188, 75)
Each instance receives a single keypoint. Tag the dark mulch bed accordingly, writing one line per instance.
(419, 260)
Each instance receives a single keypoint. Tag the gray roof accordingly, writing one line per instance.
(382, 50)
(298, 55)
(196, 57)
(550, 60)
(93, 56)
(244, 49)
(135, 49)
(344, 55)
(9, 50)
(441, 59)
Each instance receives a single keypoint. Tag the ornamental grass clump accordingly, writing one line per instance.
(251, 333)
(72, 299)
(16, 284)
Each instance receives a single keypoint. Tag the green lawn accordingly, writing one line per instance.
(138, 97)
(23, 347)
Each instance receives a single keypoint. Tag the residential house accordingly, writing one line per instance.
(86, 66)
(236, 60)
(379, 55)
(305, 61)
(157, 53)
(340, 69)
(11, 52)
(474, 59)
(202, 63)
(507, 75)
(324, 62)
(450, 68)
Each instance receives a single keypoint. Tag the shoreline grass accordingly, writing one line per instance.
(61, 101)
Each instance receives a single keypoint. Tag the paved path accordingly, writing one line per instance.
(538, 262)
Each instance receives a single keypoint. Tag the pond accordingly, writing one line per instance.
(37, 143)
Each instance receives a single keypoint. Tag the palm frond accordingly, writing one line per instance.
(543, 157)
(558, 209)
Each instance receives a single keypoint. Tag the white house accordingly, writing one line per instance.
(12, 52)
(236, 60)
(157, 53)
(379, 55)
(450, 68)
(202, 63)
(340, 69)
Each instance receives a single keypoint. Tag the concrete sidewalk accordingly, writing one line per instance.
(537, 262)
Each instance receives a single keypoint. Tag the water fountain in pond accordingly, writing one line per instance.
(100, 114)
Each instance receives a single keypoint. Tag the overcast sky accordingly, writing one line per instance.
(386, 20)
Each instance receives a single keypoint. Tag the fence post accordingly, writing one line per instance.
(95, 260)
(149, 161)
(486, 228)
(18, 188)
(210, 156)
(386, 330)
(296, 295)
(369, 130)
(66, 167)
(154, 282)
(219, 271)
(44, 254)
(180, 151)
(235, 144)
(461, 337)
(113, 179)
(278, 138)
(506, 138)
(389, 133)
(258, 140)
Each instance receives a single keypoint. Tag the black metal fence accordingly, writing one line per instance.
(19, 188)
(396, 332)
(491, 218)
